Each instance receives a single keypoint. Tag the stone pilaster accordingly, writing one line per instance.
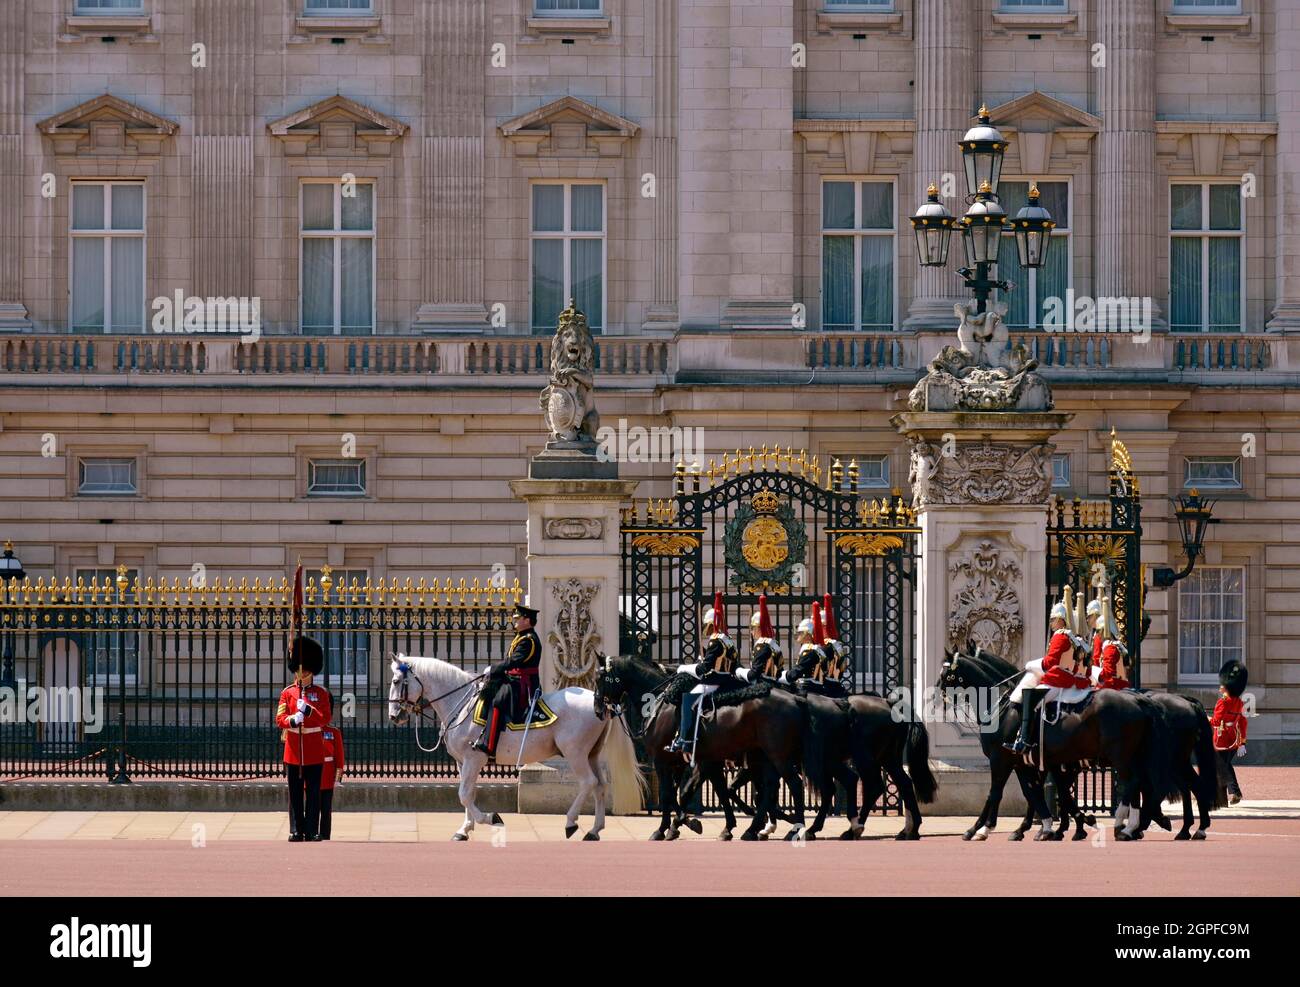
(1286, 313)
(981, 482)
(13, 47)
(945, 88)
(1126, 240)
(661, 313)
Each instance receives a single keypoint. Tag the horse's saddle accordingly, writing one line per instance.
(1069, 701)
(542, 715)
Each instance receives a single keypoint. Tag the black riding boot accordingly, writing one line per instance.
(1026, 740)
(685, 739)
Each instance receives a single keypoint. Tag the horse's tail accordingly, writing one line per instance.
(1159, 752)
(1208, 791)
(627, 781)
(918, 762)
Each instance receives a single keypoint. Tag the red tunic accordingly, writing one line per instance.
(1229, 724)
(1059, 648)
(309, 747)
(1114, 668)
(333, 739)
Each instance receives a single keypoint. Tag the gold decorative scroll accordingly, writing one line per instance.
(1095, 548)
(863, 543)
(665, 543)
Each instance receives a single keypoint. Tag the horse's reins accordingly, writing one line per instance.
(422, 704)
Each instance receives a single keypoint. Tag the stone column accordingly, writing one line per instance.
(982, 510)
(945, 89)
(13, 48)
(1286, 313)
(1125, 244)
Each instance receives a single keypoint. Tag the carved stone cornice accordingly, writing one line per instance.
(980, 474)
(337, 126)
(107, 126)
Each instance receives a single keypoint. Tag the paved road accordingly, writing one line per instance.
(1263, 855)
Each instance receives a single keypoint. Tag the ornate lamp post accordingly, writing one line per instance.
(11, 571)
(985, 221)
(1194, 517)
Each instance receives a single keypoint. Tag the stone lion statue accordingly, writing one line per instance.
(567, 401)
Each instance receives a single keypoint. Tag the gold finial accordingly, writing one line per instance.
(986, 188)
(325, 581)
(984, 110)
(1033, 190)
(933, 190)
(9, 546)
(122, 581)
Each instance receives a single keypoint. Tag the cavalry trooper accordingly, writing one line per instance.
(716, 668)
(836, 670)
(766, 659)
(1058, 672)
(1093, 671)
(810, 656)
(1114, 656)
(512, 682)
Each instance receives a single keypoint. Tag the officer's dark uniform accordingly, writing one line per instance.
(805, 666)
(716, 668)
(766, 659)
(510, 683)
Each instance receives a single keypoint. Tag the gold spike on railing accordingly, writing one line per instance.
(837, 474)
(853, 476)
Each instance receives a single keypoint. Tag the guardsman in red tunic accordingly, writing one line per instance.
(302, 714)
(1114, 655)
(511, 683)
(1058, 672)
(1094, 623)
(332, 769)
(1229, 724)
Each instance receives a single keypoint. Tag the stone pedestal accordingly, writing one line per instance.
(573, 571)
(981, 483)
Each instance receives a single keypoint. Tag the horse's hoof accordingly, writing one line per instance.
(694, 825)
(1090, 820)
(591, 838)
(1058, 836)
(810, 835)
(1139, 835)
(1079, 834)
(672, 835)
(1182, 835)
(1199, 834)
(851, 834)
(795, 834)
(1041, 837)
(748, 836)
(1121, 836)
(1163, 823)
(1016, 836)
(459, 838)
(725, 836)
(657, 836)
(980, 835)
(569, 831)
(968, 835)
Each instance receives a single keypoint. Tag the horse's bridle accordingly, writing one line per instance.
(421, 705)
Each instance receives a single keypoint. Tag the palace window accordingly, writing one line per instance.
(1060, 469)
(567, 8)
(1206, 262)
(1214, 472)
(568, 252)
(858, 256)
(108, 7)
(107, 275)
(1031, 6)
(347, 652)
(860, 6)
(1027, 301)
(338, 8)
(337, 261)
(104, 649)
(873, 470)
(1207, 6)
(336, 477)
(106, 476)
(1211, 621)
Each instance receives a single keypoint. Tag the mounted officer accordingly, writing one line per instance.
(810, 657)
(836, 671)
(1114, 655)
(766, 660)
(512, 682)
(1058, 671)
(1093, 669)
(716, 669)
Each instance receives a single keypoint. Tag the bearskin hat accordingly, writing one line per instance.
(307, 654)
(1232, 676)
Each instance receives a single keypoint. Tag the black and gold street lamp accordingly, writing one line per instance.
(1194, 517)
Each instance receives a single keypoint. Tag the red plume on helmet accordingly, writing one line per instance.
(719, 615)
(764, 619)
(819, 634)
(828, 615)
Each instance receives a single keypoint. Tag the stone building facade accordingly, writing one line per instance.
(408, 189)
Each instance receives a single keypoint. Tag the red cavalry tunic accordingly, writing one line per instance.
(1113, 668)
(310, 747)
(1229, 724)
(333, 739)
(1059, 648)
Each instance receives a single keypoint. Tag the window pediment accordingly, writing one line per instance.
(107, 125)
(1039, 125)
(337, 126)
(569, 127)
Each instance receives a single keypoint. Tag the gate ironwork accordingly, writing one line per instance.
(1088, 540)
(775, 522)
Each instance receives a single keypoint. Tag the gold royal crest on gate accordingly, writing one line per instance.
(763, 544)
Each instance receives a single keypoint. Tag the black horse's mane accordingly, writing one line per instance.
(999, 668)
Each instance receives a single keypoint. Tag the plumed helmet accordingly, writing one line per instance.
(828, 616)
(762, 619)
(716, 616)
(805, 626)
(306, 653)
(819, 632)
(1094, 607)
(1108, 625)
(1060, 613)
(1232, 676)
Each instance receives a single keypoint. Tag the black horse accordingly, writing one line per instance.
(1190, 725)
(1122, 728)
(760, 722)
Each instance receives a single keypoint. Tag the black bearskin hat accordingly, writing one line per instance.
(1232, 676)
(308, 654)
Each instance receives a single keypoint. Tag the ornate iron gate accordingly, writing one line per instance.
(1086, 538)
(775, 523)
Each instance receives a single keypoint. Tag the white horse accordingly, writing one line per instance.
(579, 734)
